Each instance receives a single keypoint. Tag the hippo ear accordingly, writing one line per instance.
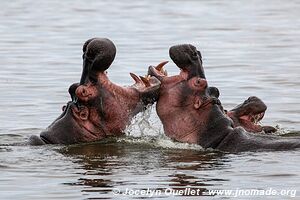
(213, 91)
(72, 90)
(197, 103)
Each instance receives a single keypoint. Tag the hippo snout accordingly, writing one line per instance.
(187, 58)
(183, 55)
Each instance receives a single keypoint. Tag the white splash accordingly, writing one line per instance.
(146, 128)
(145, 123)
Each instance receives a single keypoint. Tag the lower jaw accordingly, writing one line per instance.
(250, 127)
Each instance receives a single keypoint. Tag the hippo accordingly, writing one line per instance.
(191, 112)
(98, 107)
(248, 114)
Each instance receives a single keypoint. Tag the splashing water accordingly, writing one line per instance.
(145, 123)
(146, 129)
(160, 141)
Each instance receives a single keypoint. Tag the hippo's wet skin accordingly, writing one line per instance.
(99, 108)
(191, 112)
(248, 114)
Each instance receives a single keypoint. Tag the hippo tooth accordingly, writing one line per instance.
(160, 66)
(135, 78)
(145, 81)
(257, 118)
(252, 118)
(165, 72)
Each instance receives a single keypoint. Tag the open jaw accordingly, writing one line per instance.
(187, 58)
(184, 97)
(251, 121)
(249, 114)
(158, 71)
(252, 118)
(98, 107)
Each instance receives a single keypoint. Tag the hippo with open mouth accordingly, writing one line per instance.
(248, 114)
(99, 108)
(191, 111)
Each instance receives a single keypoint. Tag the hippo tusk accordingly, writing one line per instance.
(135, 78)
(160, 66)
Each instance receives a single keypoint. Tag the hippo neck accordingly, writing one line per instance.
(180, 123)
(180, 126)
(127, 97)
(171, 81)
(90, 130)
(175, 110)
(116, 105)
(218, 126)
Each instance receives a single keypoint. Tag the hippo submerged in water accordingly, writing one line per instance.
(99, 108)
(191, 111)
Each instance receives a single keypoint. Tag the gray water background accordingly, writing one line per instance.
(248, 47)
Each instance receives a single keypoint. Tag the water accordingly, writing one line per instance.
(249, 48)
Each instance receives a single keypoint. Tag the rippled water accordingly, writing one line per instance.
(249, 48)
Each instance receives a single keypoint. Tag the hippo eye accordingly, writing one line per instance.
(63, 108)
